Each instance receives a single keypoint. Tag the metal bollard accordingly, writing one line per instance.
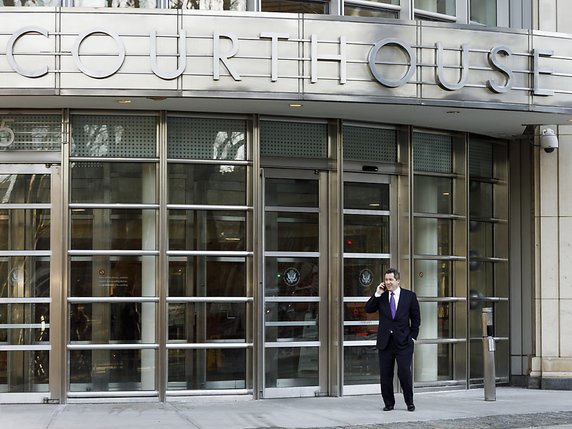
(488, 354)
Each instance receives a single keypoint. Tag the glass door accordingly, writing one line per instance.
(29, 284)
(368, 244)
(294, 316)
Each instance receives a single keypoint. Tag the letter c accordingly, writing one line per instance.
(10, 52)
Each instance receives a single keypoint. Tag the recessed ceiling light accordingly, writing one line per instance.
(124, 101)
(295, 105)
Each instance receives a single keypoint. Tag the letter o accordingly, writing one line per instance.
(392, 83)
(98, 74)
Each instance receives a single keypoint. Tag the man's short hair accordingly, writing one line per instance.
(394, 272)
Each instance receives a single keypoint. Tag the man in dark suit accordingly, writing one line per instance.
(399, 321)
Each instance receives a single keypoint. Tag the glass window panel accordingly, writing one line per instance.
(480, 199)
(366, 196)
(291, 367)
(292, 277)
(24, 229)
(207, 322)
(207, 230)
(433, 195)
(432, 152)
(487, 278)
(500, 318)
(446, 7)
(24, 277)
(355, 312)
(117, 229)
(433, 278)
(361, 365)
(103, 323)
(291, 193)
(476, 359)
(106, 276)
(361, 276)
(30, 132)
(239, 5)
(202, 138)
(501, 360)
(484, 12)
(113, 182)
(112, 370)
(369, 143)
(350, 10)
(434, 362)
(432, 236)
(287, 231)
(24, 188)
(293, 6)
(366, 234)
(37, 316)
(438, 318)
(149, 4)
(114, 136)
(24, 371)
(197, 276)
(294, 139)
(209, 369)
(295, 321)
(481, 238)
(207, 184)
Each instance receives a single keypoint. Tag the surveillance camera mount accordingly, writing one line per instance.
(548, 140)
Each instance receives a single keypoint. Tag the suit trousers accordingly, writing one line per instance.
(387, 358)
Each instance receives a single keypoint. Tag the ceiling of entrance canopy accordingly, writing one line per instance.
(486, 121)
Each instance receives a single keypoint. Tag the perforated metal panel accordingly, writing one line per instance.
(30, 132)
(481, 159)
(432, 153)
(293, 139)
(114, 136)
(203, 138)
(370, 144)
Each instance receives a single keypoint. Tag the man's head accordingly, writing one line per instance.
(391, 279)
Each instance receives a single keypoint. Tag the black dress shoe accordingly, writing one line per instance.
(388, 408)
(411, 407)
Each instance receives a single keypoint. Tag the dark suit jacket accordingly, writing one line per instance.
(405, 326)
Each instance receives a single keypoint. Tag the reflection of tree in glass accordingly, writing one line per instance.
(209, 4)
(229, 145)
(30, 3)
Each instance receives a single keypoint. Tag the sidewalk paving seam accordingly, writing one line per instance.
(505, 421)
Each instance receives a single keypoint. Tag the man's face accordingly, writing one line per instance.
(390, 282)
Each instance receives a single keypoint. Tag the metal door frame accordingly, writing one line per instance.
(323, 371)
(57, 319)
(367, 178)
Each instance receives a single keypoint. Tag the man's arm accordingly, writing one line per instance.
(414, 316)
(372, 305)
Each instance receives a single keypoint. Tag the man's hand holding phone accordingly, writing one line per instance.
(380, 289)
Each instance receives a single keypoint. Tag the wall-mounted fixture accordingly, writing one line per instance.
(548, 140)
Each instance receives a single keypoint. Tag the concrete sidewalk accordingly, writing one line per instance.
(513, 408)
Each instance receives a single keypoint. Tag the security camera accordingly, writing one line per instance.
(548, 140)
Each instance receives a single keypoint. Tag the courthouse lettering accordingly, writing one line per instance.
(227, 45)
